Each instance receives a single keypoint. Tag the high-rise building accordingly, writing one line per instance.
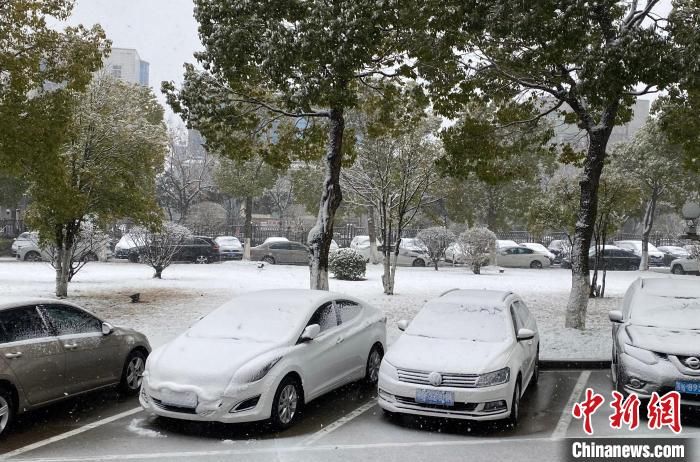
(126, 64)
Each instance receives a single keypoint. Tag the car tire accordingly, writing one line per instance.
(374, 360)
(632, 267)
(514, 416)
(201, 259)
(419, 262)
(677, 269)
(32, 256)
(7, 409)
(269, 260)
(287, 404)
(132, 373)
(536, 264)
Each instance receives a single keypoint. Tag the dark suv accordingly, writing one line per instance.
(197, 249)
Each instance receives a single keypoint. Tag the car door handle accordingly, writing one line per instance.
(13, 355)
(339, 340)
(70, 346)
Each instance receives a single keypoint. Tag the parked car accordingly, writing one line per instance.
(469, 354)
(613, 258)
(685, 266)
(197, 249)
(281, 252)
(539, 248)
(454, 253)
(275, 239)
(656, 257)
(521, 257)
(29, 249)
(23, 239)
(656, 345)
(230, 248)
(123, 247)
(264, 355)
(561, 250)
(672, 252)
(412, 252)
(505, 243)
(51, 350)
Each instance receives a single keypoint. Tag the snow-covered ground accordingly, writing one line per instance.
(187, 292)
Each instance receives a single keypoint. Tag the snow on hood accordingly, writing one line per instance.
(448, 355)
(125, 243)
(682, 342)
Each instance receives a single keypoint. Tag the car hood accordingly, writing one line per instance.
(682, 342)
(203, 365)
(230, 247)
(443, 355)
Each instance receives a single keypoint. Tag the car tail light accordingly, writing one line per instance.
(216, 247)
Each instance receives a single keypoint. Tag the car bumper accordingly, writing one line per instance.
(231, 255)
(399, 397)
(222, 410)
(660, 377)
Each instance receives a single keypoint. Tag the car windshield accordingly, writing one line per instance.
(673, 311)
(228, 240)
(454, 321)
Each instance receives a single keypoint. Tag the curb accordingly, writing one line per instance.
(559, 364)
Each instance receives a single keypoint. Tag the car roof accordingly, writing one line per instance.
(16, 302)
(676, 286)
(292, 298)
(483, 296)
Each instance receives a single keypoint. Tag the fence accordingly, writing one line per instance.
(11, 228)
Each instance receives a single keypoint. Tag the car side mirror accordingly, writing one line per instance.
(310, 332)
(107, 328)
(615, 316)
(402, 325)
(525, 334)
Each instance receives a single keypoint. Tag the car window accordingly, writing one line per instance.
(67, 320)
(325, 317)
(518, 321)
(296, 246)
(21, 324)
(522, 311)
(347, 310)
(279, 246)
(526, 250)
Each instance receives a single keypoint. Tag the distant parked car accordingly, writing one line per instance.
(469, 354)
(51, 350)
(412, 252)
(454, 253)
(537, 247)
(560, 248)
(614, 258)
(656, 257)
(123, 248)
(275, 239)
(230, 248)
(672, 252)
(504, 243)
(197, 249)
(685, 266)
(23, 239)
(28, 249)
(655, 339)
(281, 252)
(521, 257)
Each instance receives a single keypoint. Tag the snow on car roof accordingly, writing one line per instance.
(667, 302)
(676, 287)
(482, 296)
(14, 302)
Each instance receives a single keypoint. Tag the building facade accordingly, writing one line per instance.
(126, 64)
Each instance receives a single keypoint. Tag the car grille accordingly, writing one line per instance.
(167, 407)
(448, 380)
(463, 407)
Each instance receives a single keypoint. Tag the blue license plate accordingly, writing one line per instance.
(436, 397)
(692, 388)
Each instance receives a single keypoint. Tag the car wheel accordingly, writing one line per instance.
(132, 374)
(32, 256)
(632, 267)
(201, 259)
(515, 406)
(269, 260)
(677, 269)
(419, 262)
(7, 409)
(374, 360)
(536, 264)
(287, 403)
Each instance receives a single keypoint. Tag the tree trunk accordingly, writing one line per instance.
(321, 234)
(648, 224)
(248, 228)
(158, 272)
(588, 204)
(372, 232)
(65, 237)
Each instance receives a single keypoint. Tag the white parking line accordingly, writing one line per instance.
(339, 423)
(69, 434)
(566, 415)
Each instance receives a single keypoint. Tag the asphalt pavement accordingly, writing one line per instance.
(344, 425)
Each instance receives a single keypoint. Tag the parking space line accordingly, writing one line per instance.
(566, 415)
(339, 423)
(70, 434)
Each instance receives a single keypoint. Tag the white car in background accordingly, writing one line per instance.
(656, 257)
(469, 354)
(521, 257)
(230, 248)
(454, 253)
(412, 252)
(264, 355)
(537, 247)
(28, 249)
(685, 266)
(504, 243)
(275, 239)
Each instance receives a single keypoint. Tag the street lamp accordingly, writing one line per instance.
(691, 213)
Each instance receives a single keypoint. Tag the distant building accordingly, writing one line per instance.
(126, 64)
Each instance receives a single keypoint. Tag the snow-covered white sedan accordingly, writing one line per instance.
(263, 355)
(468, 354)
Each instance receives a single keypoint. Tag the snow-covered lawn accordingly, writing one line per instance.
(187, 292)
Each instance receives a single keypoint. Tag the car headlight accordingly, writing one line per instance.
(490, 379)
(252, 372)
(645, 356)
(388, 369)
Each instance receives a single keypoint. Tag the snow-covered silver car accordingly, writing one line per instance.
(469, 354)
(685, 266)
(412, 252)
(51, 350)
(263, 355)
(656, 339)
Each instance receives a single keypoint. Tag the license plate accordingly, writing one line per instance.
(178, 398)
(438, 397)
(692, 388)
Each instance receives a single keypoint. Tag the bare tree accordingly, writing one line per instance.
(157, 247)
(281, 195)
(436, 239)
